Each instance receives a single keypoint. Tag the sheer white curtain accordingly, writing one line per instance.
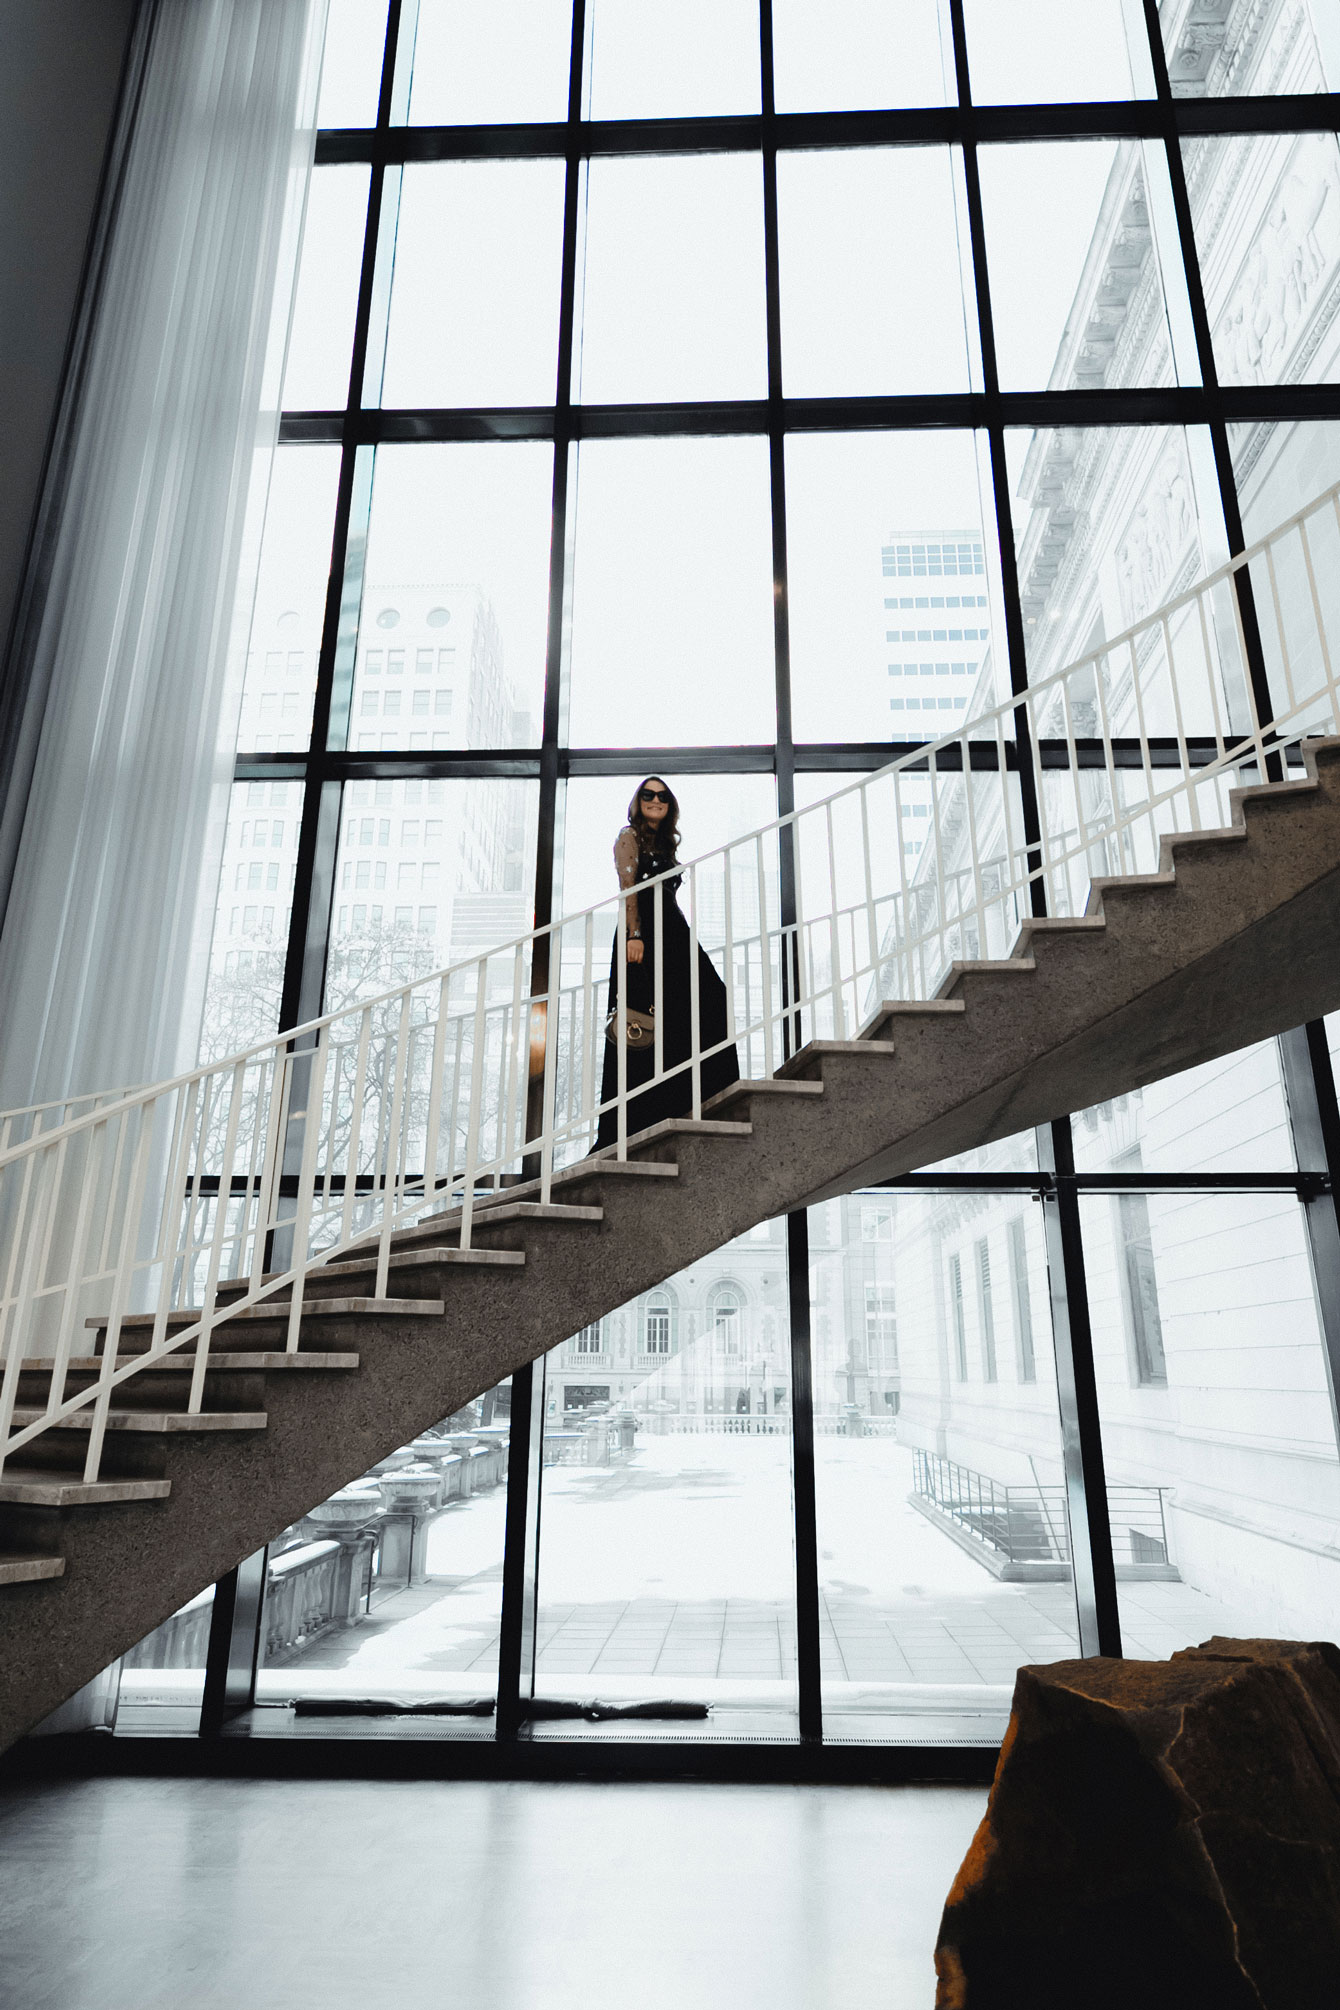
(111, 833)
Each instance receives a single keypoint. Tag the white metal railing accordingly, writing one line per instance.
(433, 1097)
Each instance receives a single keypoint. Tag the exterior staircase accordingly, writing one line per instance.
(1235, 938)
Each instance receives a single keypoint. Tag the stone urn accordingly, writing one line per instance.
(348, 1513)
(410, 1490)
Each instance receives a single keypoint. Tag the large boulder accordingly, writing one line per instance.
(1159, 1834)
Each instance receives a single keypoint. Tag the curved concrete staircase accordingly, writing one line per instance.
(1237, 937)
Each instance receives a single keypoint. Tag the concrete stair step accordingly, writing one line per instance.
(328, 1308)
(31, 1486)
(82, 1365)
(814, 1051)
(163, 1422)
(432, 1256)
(21, 1569)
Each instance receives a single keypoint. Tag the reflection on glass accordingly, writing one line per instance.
(1280, 467)
(290, 601)
(892, 563)
(251, 921)
(1036, 52)
(1218, 1431)
(1266, 210)
(162, 1683)
(1220, 52)
(392, 1588)
(665, 59)
(428, 873)
(666, 1565)
(1096, 299)
(1097, 554)
(672, 290)
(1227, 1116)
(351, 66)
(847, 329)
(853, 55)
(474, 304)
(672, 594)
(451, 637)
(316, 369)
(943, 1539)
(504, 63)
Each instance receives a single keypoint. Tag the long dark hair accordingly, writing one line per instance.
(661, 838)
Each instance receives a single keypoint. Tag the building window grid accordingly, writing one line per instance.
(323, 762)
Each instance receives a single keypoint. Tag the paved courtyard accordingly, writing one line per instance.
(671, 1576)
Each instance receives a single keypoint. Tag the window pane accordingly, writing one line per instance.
(852, 55)
(672, 594)
(664, 59)
(1227, 1116)
(501, 64)
(1098, 298)
(1218, 1431)
(895, 624)
(316, 371)
(451, 637)
(428, 873)
(290, 600)
(474, 303)
(846, 327)
(351, 66)
(672, 290)
(1031, 52)
(1109, 524)
(392, 1588)
(666, 1556)
(251, 920)
(1211, 57)
(1281, 467)
(1267, 219)
(162, 1683)
(943, 1538)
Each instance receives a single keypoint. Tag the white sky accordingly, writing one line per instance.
(474, 306)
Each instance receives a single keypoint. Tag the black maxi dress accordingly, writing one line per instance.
(673, 1098)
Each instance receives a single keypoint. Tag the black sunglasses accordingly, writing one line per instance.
(653, 795)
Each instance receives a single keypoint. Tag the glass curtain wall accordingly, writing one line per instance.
(750, 392)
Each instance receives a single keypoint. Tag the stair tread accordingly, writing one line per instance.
(170, 1422)
(488, 1212)
(446, 1253)
(817, 1048)
(328, 1307)
(16, 1567)
(34, 1487)
(184, 1363)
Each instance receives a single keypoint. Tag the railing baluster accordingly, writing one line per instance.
(302, 1213)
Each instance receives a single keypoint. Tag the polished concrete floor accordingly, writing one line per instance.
(121, 1894)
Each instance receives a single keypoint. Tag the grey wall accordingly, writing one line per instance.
(60, 68)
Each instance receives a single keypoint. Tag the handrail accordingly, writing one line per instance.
(186, 1202)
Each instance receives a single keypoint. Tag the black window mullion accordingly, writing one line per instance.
(1209, 369)
(1016, 649)
(309, 922)
(809, 1694)
(521, 1535)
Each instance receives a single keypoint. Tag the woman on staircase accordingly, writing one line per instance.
(647, 846)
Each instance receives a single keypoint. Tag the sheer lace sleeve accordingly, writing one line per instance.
(625, 856)
(625, 860)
